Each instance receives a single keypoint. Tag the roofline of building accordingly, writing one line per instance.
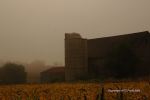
(122, 35)
(63, 67)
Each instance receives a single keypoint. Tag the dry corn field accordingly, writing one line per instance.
(77, 91)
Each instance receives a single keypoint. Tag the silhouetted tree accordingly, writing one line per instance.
(12, 73)
(122, 62)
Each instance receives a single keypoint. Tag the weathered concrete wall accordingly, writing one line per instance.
(75, 56)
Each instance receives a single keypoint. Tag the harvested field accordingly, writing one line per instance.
(77, 91)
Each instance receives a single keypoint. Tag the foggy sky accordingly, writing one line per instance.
(34, 29)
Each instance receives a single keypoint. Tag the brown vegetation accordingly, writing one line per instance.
(76, 91)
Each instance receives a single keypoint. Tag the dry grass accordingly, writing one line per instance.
(76, 91)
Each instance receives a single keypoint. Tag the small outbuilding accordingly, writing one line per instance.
(54, 74)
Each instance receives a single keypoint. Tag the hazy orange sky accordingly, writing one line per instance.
(34, 29)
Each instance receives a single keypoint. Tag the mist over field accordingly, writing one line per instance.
(39, 61)
(34, 29)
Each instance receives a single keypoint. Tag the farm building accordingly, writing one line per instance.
(54, 74)
(84, 56)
